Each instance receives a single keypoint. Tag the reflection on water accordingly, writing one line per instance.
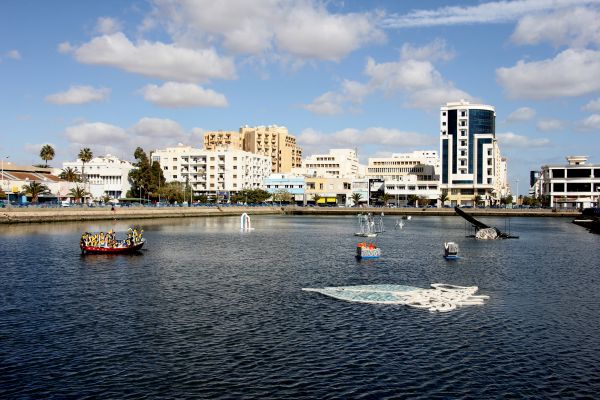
(207, 311)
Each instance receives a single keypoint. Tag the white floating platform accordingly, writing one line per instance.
(440, 297)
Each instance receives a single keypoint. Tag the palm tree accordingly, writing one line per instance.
(316, 198)
(386, 197)
(85, 155)
(70, 175)
(34, 189)
(78, 193)
(413, 199)
(443, 197)
(47, 153)
(356, 198)
(476, 200)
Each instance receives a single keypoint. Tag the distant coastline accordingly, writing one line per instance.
(47, 215)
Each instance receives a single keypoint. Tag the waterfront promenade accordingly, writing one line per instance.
(45, 215)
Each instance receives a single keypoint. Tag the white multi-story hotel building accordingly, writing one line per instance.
(574, 185)
(407, 174)
(471, 164)
(339, 163)
(218, 172)
(107, 176)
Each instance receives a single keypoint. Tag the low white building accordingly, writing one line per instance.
(339, 163)
(14, 177)
(574, 185)
(217, 172)
(106, 176)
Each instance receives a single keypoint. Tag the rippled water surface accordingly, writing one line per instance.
(207, 311)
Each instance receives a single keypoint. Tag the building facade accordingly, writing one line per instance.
(272, 141)
(471, 164)
(293, 184)
(574, 185)
(339, 163)
(217, 173)
(14, 177)
(106, 176)
(328, 190)
(405, 175)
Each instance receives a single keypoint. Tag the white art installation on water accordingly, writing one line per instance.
(441, 297)
(245, 223)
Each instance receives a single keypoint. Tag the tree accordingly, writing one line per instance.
(282, 196)
(78, 193)
(316, 197)
(141, 176)
(412, 199)
(47, 153)
(386, 197)
(70, 175)
(34, 189)
(356, 197)
(172, 192)
(477, 200)
(443, 197)
(423, 201)
(85, 155)
(250, 196)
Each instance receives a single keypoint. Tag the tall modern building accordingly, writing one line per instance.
(471, 164)
(271, 141)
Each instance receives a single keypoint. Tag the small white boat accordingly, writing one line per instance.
(451, 251)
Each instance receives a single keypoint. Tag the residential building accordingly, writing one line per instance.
(339, 163)
(213, 172)
(403, 176)
(574, 185)
(293, 184)
(272, 141)
(471, 164)
(105, 176)
(13, 177)
(329, 190)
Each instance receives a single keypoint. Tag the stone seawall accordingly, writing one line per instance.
(44, 215)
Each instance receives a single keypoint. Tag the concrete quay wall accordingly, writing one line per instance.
(44, 215)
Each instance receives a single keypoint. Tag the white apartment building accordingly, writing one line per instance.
(407, 174)
(574, 185)
(213, 172)
(339, 163)
(107, 176)
(471, 164)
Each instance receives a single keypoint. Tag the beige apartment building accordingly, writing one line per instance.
(271, 141)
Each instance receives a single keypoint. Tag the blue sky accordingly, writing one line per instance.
(113, 75)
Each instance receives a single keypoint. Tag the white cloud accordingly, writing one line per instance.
(14, 54)
(571, 73)
(79, 95)
(483, 13)
(590, 123)
(65, 47)
(510, 139)
(157, 127)
(593, 105)
(107, 25)
(329, 103)
(174, 95)
(547, 125)
(576, 27)
(378, 139)
(155, 59)
(435, 50)
(304, 29)
(521, 114)
(95, 133)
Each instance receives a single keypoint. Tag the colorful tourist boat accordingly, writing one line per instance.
(364, 250)
(107, 243)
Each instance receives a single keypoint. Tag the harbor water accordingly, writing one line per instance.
(209, 311)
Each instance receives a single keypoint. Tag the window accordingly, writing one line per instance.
(463, 123)
(443, 113)
(463, 113)
(174, 158)
(174, 176)
(463, 142)
(558, 173)
(166, 167)
(579, 173)
(558, 187)
(463, 132)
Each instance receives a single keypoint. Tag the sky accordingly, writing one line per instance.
(113, 75)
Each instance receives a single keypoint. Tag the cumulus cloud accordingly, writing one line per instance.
(304, 29)
(78, 95)
(593, 105)
(95, 133)
(157, 127)
(155, 59)
(572, 72)
(378, 138)
(107, 25)
(435, 50)
(419, 80)
(65, 47)
(510, 139)
(521, 114)
(577, 27)
(551, 124)
(590, 123)
(484, 13)
(176, 95)
(13, 54)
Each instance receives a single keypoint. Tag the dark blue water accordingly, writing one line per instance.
(210, 312)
